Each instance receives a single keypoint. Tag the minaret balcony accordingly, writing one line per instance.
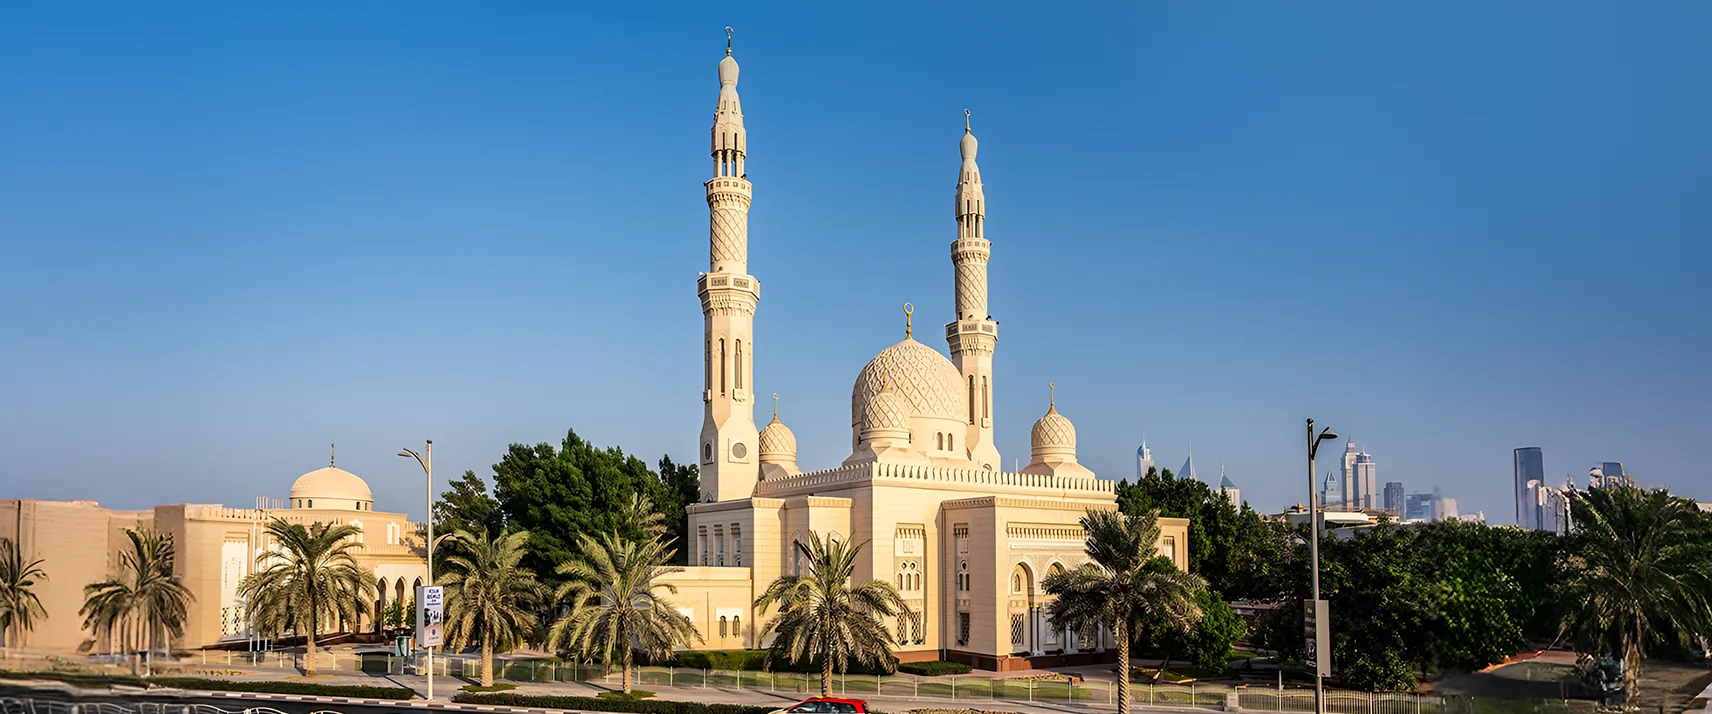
(729, 184)
(988, 328)
(727, 283)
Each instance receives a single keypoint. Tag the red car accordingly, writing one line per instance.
(826, 705)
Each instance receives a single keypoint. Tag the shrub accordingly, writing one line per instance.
(934, 669)
(633, 695)
(495, 688)
(303, 688)
(629, 706)
(744, 660)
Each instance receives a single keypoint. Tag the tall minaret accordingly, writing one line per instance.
(729, 462)
(974, 333)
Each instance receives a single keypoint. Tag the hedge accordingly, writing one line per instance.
(756, 661)
(934, 669)
(630, 706)
(275, 687)
(223, 685)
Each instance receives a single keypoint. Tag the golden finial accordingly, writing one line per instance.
(966, 128)
(330, 452)
(775, 406)
(1051, 395)
(727, 40)
(909, 311)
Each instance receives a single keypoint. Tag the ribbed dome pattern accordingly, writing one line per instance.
(778, 440)
(924, 379)
(1053, 430)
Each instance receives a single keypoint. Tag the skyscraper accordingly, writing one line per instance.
(1418, 507)
(1228, 489)
(1347, 491)
(1143, 460)
(1614, 474)
(1394, 497)
(1366, 481)
(1530, 466)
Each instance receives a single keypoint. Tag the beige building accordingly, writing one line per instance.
(965, 542)
(79, 543)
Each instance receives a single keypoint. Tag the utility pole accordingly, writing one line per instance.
(1320, 623)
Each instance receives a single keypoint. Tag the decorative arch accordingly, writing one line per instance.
(1022, 580)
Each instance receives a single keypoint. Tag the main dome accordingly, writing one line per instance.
(331, 483)
(925, 379)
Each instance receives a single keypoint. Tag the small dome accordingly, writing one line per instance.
(886, 410)
(335, 485)
(927, 383)
(1053, 431)
(968, 146)
(778, 441)
(728, 71)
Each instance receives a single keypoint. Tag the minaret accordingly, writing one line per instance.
(729, 466)
(973, 334)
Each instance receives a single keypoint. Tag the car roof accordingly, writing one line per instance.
(840, 700)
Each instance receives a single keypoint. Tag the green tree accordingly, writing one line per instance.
(1124, 583)
(310, 579)
(1236, 550)
(824, 617)
(490, 599)
(615, 603)
(680, 487)
(19, 604)
(467, 506)
(560, 494)
(1638, 571)
(1207, 644)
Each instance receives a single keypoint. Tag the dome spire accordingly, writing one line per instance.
(909, 313)
(1052, 396)
(727, 40)
(330, 452)
(966, 128)
(775, 406)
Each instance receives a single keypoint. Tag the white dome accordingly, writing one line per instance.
(969, 146)
(1053, 431)
(887, 410)
(777, 442)
(335, 486)
(921, 377)
(728, 71)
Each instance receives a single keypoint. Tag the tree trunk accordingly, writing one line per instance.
(487, 663)
(149, 638)
(309, 652)
(1121, 632)
(628, 656)
(1631, 670)
(1159, 676)
(826, 674)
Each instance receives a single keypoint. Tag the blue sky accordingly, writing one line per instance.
(234, 233)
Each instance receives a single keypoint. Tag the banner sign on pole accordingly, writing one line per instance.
(1317, 635)
(430, 616)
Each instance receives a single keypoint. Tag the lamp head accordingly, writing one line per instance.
(1328, 434)
(405, 454)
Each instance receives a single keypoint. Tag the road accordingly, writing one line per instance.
(169, 702)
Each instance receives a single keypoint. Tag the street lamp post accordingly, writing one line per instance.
(1314, 556)
(428, 469)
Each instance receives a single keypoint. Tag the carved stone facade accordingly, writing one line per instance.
(965, 543)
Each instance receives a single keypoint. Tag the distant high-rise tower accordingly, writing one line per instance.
(1418, 507)
(1188, 470)
(1366, 481)
(1143, 460)
(1530, 466)
(1615, 475)
(1347, 490)
(1229, 490)
(1394, 497)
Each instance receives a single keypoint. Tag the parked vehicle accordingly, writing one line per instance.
(826, 705)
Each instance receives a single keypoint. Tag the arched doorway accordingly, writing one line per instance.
(1022, 610)
(380, 606)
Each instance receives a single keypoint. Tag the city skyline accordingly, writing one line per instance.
(234, 251)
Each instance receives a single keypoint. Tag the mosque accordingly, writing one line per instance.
(965, 542)
(80, 542)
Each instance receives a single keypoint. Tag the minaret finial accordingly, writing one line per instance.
(775, 406)
(966, 128)
(909, 327)
(727, 40)
(1051, 395)
(330, 452)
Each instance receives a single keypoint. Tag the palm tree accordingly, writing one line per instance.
(1638, 570)
(614, 602)
(824, 617)
(490, 599)
(1125, 582)
(144, 599)
(19, 605)
(308, 579)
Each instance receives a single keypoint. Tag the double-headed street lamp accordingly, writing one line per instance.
(1320, 624)
(428, 469)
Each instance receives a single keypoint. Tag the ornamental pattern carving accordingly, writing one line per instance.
(728, 231)
(1053, 430)
(971, 290)
(925, 379)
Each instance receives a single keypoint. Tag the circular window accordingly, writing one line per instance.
(739, 451)
(707, 452)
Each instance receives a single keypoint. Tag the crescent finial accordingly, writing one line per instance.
(727, 40)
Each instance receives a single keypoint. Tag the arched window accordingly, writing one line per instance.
(737, 374)
(736, 626)
(722, 626)
(939, 441)
(986, 400)
(721, 365)
(707, 366)
(971, 399)
(311, 503)
(398, 587)
(950, 442)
